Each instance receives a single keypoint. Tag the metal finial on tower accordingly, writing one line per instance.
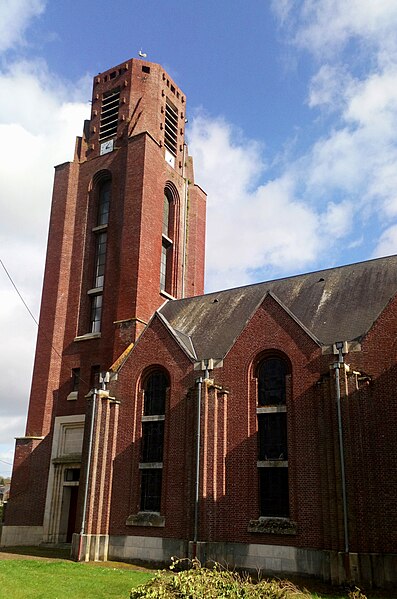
(142, 54)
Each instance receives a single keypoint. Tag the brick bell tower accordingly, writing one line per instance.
(127, 232)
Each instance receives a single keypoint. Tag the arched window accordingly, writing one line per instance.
(155, 388)
(167, 243)
(102, 192)
(272, 437)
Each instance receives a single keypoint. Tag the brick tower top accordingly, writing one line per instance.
(134, 97)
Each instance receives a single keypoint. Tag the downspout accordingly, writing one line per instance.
(87, 480)
(337, 367)
(184, 219)
(199, 383)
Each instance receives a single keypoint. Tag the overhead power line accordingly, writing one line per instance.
(32, 315)
(20, 295)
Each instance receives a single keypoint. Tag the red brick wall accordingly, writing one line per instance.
(29, 482)
(195, 257)
(270, 329)
(229, 444)
(155, 347)
(370, 431)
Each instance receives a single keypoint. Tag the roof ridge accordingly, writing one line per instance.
(286, 278)
(179, 341)
(294, 317)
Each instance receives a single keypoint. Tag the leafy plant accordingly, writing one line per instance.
(356, 594)
(213, 583)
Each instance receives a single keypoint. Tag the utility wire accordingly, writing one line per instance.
(33, 317)
(27, 307)
(38, 327)
(17, 290)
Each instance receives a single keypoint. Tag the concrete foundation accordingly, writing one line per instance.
(21, 535)
(368, 570)
(90, 548)
(146, 549)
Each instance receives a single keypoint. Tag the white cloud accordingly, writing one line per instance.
(248, 225)
(345, 180)
(282, 8)
(335, 162)
(253, 229)
(359, 156)
(337, 221)
(354, 161)
(36, 134)
(328, 87)
(387, 243)
(6, 456)
(15, 16)
(373, 102)
(323, 26)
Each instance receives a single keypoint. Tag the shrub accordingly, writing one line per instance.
(356, 594)
(213, 583)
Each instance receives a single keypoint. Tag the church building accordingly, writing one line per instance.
(255, 426)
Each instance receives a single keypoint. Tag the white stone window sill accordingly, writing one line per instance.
(88, 336)
(72, 396)
(167, 295)
(273, 525)
(100, 228)
(95, 291)
(271, 409)
(153, 519)
(167, 239)
(272, 463)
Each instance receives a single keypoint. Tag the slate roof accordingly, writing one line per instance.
(336, 304)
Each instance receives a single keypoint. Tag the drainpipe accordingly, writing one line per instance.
(87, 481)
(199, 383)
(337, 367)
(185, 193)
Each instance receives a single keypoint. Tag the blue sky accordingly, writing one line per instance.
(292, 109)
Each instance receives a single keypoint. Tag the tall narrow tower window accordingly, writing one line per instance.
(100, 237)
(104, 203)
(100, 259)
(167, 244)
(151, 464)
(166, 212)
(96, 312)
(163, 267)
(109, 114)
(272, 438)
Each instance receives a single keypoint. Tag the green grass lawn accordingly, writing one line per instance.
(45, 576)
(31, 579)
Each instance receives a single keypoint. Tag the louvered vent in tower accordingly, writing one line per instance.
(171, 127)
(109, 114)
